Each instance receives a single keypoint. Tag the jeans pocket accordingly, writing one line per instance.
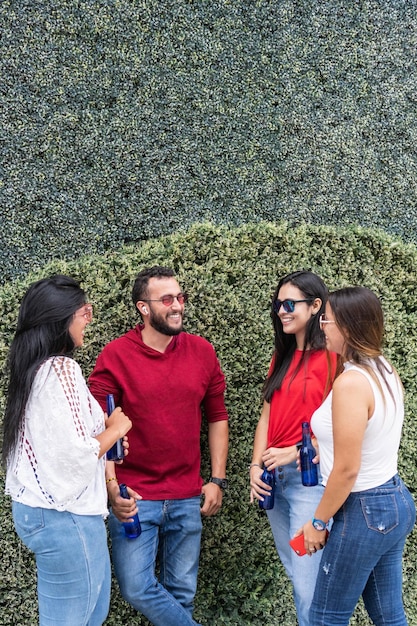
(27, 520)
(380, 512)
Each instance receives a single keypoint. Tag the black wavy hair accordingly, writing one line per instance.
(45, 315)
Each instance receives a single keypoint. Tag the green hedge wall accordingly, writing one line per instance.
(123, 120)
(231, 274)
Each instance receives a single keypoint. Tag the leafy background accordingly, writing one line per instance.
(125, 124)
(231, 274)
(127, 119)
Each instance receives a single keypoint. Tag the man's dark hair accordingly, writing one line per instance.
(140, 287)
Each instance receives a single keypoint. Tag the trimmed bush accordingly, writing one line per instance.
(231, 274)
(125, 119)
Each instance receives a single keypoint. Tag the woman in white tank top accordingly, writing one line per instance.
(358, 428)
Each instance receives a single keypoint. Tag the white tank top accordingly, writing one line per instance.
(382, 435)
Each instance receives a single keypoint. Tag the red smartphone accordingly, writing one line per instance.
(297, 544)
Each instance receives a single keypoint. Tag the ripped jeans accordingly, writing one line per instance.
(363, 556)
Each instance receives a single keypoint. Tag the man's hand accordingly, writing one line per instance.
(213, 497)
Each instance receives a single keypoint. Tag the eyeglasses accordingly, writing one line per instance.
(288, 305)
(86, 312)
(168, 300)
(323, 321)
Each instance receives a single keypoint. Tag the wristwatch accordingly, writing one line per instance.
(318, 524)
(223, 483)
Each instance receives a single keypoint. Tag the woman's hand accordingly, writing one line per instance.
(314, 540)
(116, 427)
(315, 460)
(274, 457)
(119, 422)
(259, 489)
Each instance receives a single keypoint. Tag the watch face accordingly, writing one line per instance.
(318, 525)
(223, 483)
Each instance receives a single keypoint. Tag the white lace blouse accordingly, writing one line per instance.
(55, 464)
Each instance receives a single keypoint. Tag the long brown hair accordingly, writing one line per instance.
(358, 313)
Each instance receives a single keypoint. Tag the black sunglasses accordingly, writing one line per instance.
(288, 305)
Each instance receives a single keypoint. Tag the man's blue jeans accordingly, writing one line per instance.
(72, 561)
(294, 505)
(171, 534)
(364, 556)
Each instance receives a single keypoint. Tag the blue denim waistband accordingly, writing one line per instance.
(393, 483)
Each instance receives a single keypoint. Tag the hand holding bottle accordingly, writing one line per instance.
(316, 459)
(119, 423)
(124, 509)
(268, 477)
(118, 450)
(260, 489)
(116, 427)
(132, 527)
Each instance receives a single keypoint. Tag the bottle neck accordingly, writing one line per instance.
(306, 433)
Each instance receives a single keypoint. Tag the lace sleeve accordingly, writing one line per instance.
(61, 422)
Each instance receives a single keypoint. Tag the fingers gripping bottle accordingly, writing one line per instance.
(116, 451)
(132, 529)
(268, 501)
(309, 476)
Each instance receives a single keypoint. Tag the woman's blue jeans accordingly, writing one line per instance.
(295, 504)
(363, 556)
(72, 561)
(171, 534)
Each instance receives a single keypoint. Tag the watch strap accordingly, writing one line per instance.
(223, 483)
(319, 524)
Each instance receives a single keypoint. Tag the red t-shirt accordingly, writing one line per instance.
(162, 393)
(299, 397)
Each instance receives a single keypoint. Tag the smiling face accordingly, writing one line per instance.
(335, 341)
(294, 323)
(167, 320)
(81, 318)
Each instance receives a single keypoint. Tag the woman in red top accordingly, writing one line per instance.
(299, 378)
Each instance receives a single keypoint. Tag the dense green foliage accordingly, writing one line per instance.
(230, 274)
(127, 119)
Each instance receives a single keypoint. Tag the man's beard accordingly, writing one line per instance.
(158, 323)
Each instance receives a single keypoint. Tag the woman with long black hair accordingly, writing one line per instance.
(300, 377)
(55, 439)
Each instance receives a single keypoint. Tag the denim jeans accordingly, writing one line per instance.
(364, 556)
(294, 504)
(72, 561)
(171, 534)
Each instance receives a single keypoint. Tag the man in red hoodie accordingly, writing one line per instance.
(162, 377)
